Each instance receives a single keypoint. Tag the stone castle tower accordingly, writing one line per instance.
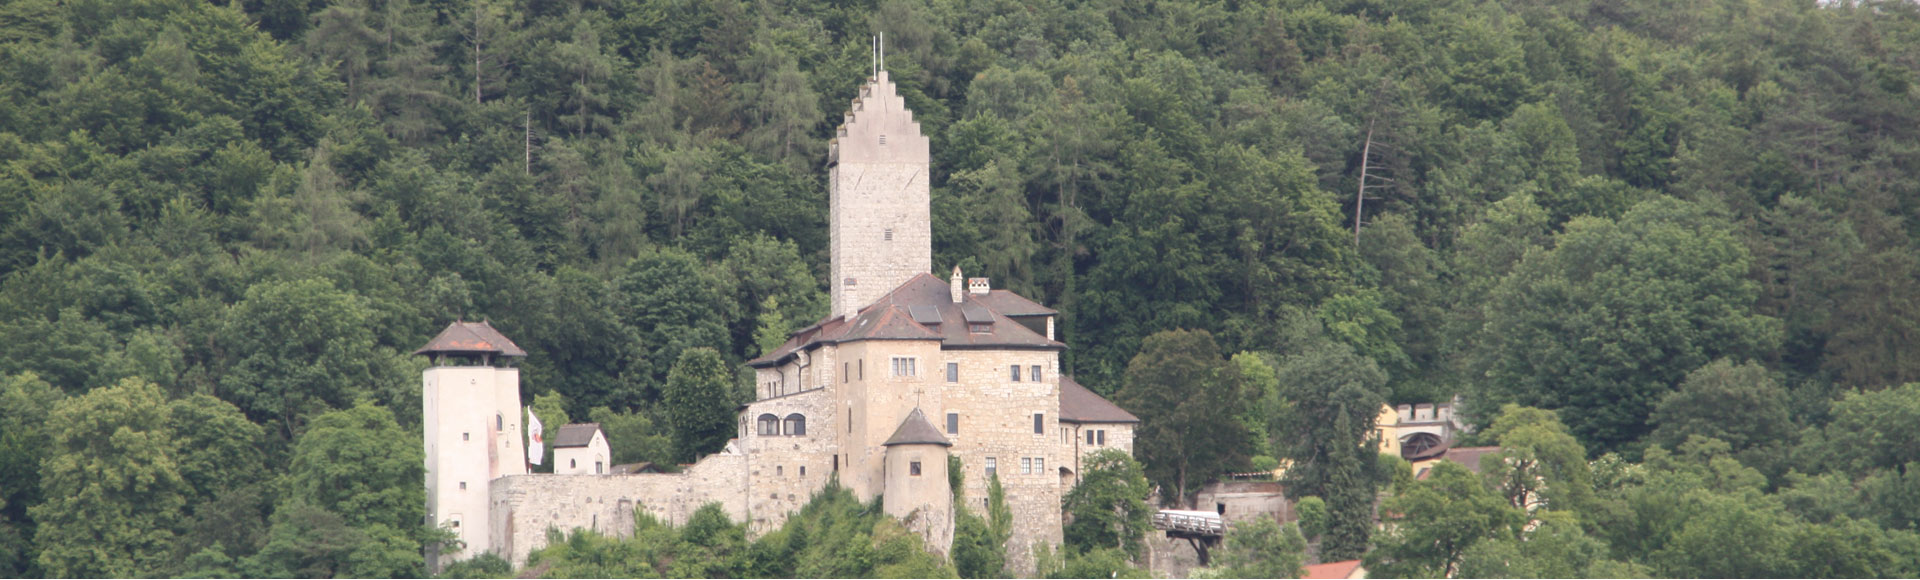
(471, 403)
(878, 198)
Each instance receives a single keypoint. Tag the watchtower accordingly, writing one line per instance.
(471, 402)
(880, 222)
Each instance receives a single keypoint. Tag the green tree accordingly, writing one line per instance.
(1177, 385)
(115, 498)
(1263, 549)
(1540, 465)
(352, 503)
(635, 437)
(1741, 404)
(1433, 522)
(1338, 395)
(1554, 549)
(674, 304)
(1866, 431)
(1109, 506)
(699, 404)
(1616, 314)
(25, 405)
(299, 349)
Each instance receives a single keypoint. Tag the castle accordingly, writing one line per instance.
(959, 369)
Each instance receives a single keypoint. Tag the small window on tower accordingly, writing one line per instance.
(464, 437)
(499, 422)
(883, 139)
(913, 469)
(953, 372)
(1039, 421)
(1016, 373)
(463, 485)
(953, 423)
(1036, 373)
(887, 235)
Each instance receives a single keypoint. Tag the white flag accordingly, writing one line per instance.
(536, 439)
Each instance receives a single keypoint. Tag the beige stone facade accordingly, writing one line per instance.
(980, 366)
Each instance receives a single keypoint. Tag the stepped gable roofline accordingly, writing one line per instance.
(1079, 404)
(915, 430)
(892, 318)
(1013, 305)
(462, 337)
(575, 435)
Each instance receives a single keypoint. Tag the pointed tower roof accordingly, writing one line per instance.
(471, 338)
(915, 430)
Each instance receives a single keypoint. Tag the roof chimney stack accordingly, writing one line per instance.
(977, 285)
(954, 283)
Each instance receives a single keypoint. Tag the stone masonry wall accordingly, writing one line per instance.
(526, 506)
(783, 471)
(996, 421)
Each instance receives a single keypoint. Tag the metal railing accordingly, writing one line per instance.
(1203, 523)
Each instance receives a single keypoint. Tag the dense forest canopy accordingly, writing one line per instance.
(224, 225)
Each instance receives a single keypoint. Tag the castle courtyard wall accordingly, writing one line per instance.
(526, 506)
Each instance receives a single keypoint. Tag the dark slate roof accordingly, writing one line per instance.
(575, 435)
(909, 312)
(1006, 302)
(641, 467)
(915, 430)
(1467, 456)
(1081, 405)
(471, 338)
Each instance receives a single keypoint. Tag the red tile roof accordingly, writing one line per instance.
(1332, 570)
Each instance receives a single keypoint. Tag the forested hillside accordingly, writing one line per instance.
(225, 225)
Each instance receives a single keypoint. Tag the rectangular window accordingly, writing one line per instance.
(844, 375)
(463, 485)
(1026, 466)
(862, 366)
(1039, 423)
(803, 471)
(1040, 465)
(953, 423)
(905, 366)
(1103, 437)
(1089, 436)
(463, 437)
(990, 467)
(913, 469)
(953, 372)
(1016, 373)
(599, 467)
(1036, 373)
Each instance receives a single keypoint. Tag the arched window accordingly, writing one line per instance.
(769, 424)
(796, 424)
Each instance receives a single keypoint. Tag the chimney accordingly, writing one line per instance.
(954, 283)
(977, 285)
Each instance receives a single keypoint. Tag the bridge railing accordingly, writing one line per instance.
(1202, 523)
